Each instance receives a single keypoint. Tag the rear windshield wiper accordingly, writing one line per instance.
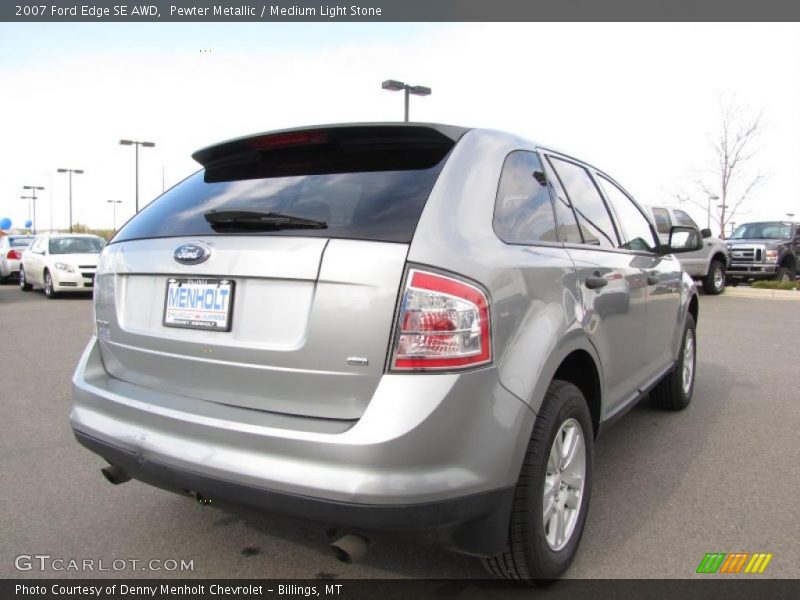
(248, 220)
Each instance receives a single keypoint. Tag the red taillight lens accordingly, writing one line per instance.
(443, 324)
(14, 255)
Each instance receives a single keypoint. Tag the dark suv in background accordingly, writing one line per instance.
(764, 250)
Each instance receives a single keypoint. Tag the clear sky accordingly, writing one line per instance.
(638, 100)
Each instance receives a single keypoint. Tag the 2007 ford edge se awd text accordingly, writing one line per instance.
(387, 327)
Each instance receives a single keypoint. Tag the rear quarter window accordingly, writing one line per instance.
(523, 212)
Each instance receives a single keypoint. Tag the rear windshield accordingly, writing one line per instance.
(76, 245)
(20, 242)
(358, 191)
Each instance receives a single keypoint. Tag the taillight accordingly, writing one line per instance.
(14, 255)
(443, 324)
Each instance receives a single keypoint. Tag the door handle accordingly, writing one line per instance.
(596, 282)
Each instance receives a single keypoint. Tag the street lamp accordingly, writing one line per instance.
(70, 171)
(137, 144)
(32, 198)
(395, 86)
(708, 213)
(113, 204)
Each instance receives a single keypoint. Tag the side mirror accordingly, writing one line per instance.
(706, 233)
(684, 239)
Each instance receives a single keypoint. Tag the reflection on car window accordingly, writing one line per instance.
(567, 230)
(770, 230)
(523, 211)
(635, 226)
(595, 221)
(76, 245)
(20, 241)
(684, 219)
(661, 217)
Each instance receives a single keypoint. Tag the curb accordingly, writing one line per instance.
(747, 292)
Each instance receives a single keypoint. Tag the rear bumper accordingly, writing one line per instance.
(9, 268)
(431, 452)
(473, 524)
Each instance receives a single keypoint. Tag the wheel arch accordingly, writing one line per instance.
(575, 361)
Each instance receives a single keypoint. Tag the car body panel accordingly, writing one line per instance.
(277, 405)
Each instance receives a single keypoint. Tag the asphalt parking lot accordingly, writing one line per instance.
(721, 476)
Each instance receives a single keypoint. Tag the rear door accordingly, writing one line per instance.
(258, 312)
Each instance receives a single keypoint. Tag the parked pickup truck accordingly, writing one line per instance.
(764, 250)
(707, 264)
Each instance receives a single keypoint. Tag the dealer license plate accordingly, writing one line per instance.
(199, 304)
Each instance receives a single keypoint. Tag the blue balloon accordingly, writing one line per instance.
(5, 223)
(28, 224)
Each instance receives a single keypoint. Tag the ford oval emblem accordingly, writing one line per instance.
(191, 254)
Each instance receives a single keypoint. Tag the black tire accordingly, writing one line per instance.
(528, 558)
(49, 292)
(671, 393)
(3, 279)
(23, 284)
(784, 274)
(714, 281)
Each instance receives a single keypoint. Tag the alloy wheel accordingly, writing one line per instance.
(563, 484)
(688, 361)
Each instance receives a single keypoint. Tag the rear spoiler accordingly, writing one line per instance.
(329, 148)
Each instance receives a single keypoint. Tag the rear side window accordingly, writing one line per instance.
(523, 212)
(567, 229)
(684, 219)
(20, 242)
(361, 183)
(593, 216)
(661, 217)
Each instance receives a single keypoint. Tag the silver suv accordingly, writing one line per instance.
(407, 328)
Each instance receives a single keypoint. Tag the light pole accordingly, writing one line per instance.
(395, 86)
(708, 211)
(32, 198)
(137, 144)
(113, 204)
(70, 171)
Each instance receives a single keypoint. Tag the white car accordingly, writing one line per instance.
(11, 248)
(60, 263)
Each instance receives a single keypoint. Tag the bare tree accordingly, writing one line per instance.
(730, 180)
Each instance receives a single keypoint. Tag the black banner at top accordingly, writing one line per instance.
(397, 10)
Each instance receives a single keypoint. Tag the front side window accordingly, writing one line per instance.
(523, 212)
(635, 226)
(595, 221)
(682, 218)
